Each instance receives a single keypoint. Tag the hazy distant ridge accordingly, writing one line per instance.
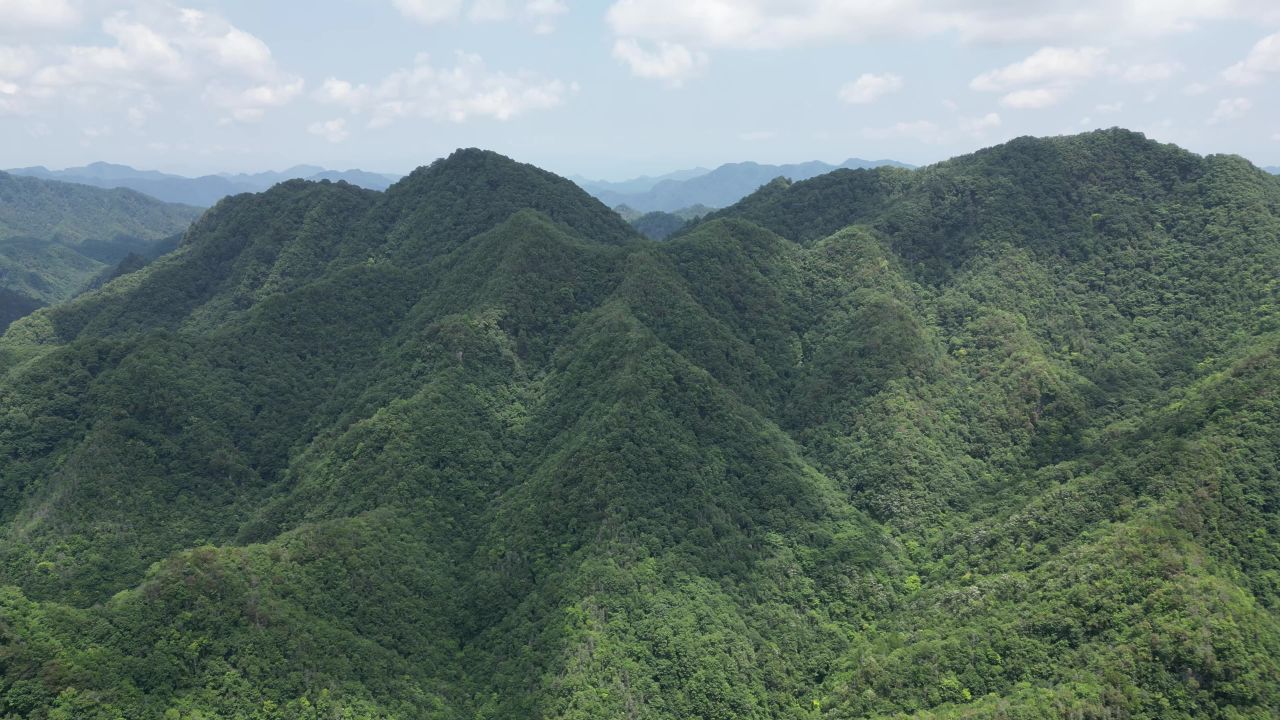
(717, 188)
(203, 191)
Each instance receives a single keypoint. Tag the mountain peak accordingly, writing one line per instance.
(472, 190)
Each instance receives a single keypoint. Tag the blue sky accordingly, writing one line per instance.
(616, 88)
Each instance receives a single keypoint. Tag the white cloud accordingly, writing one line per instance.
(773, 23)
(870, 87)
(335, 131)
(1033, 99)
(155, 49)
(1046, 65)
(703, 25)
(459, 93)
(1052, 73)
(1151, 72)
(1230, 109)
(978, 126)
(429, 11)
(1262, 59)
(670, 62)
(26, 15)
(543, 14)
(540, 14)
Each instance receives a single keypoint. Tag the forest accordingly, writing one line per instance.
(993, 438)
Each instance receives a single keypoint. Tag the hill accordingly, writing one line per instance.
(636, 185)
(55, 237)
(992, 438)
(716, 188)
(203, 191)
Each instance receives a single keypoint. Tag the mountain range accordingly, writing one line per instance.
(55, 237)
(993, 438)
(716, 188)
(203, 191)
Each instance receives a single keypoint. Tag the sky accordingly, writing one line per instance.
(617, 88)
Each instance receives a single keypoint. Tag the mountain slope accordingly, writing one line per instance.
(55, 237)
(720, 187)
(999, 443)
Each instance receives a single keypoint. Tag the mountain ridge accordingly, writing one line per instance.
(201, 191)
(719, 187)
(999, 443)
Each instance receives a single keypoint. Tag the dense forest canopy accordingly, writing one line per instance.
(55, 237)
(995, 438)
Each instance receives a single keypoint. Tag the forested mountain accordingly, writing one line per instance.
(201, 191)
(659, 225)
(55, 237)
(717, 188)
(995, 438)
(641, 184)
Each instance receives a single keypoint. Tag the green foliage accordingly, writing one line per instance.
(995, 438)
(56, 238)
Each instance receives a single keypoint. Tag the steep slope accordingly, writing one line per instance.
(472, 448)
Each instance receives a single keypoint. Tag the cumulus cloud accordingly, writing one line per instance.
(155, 48)
(1052, 72)
(870, 87)
(21, 16)
(769, 23)
(670, 62)
(1262, 59)
(705, 25)
(335, 131)
(459, 93)
(540, 14)
(1230, 109)
(1033, 99)
(1046, 65)
(429, 11)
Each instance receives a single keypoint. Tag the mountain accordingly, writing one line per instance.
(203, 191)
(641, 184)
(991, 438)
(1273, 170)
(662, 225)
(55, 237)
(717, 188)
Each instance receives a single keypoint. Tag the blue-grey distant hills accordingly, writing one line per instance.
(716, 188)
(1274, 170)
(203, 191)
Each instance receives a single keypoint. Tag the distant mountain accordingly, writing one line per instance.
(203, 191)
(642, 184)
(718, 188)
(1273, 169)
(55, 237)
(659, 225)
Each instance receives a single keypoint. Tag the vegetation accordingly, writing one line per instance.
(993, 438)
(56, 237)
